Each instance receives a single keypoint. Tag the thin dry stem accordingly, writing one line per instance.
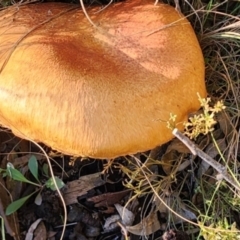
(197, 151)
(86, 14)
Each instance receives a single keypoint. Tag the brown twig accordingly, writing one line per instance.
(197, 151)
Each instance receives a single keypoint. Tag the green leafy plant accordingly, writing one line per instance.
(16, 175)
(221, 230)
(203, 123)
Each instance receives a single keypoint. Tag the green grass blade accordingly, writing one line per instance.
(17, 175)
(33, 167)
(14, 206)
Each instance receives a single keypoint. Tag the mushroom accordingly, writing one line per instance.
(100, 92)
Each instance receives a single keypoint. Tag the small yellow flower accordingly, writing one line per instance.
(172, 121)
(204, 122)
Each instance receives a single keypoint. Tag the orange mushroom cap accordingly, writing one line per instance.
(98, 92)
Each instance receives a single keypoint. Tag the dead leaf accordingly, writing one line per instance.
(111, 223)
(127, 217)
(81, 186)
(51, 235)
(147, 226)
(17, 143)
(40, 233)
(178, 146)
(11, 221)
(225, 125)
(20, 161)
(168, 160)
(183, 165)
(108, 199)
(37, 231)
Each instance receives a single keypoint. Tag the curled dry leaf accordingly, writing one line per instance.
(36, 231)
(173, 154)
(40, 233)
(127, 217)
(168, 160)
(124, 216)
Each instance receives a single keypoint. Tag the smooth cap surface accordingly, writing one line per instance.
(98, 92)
